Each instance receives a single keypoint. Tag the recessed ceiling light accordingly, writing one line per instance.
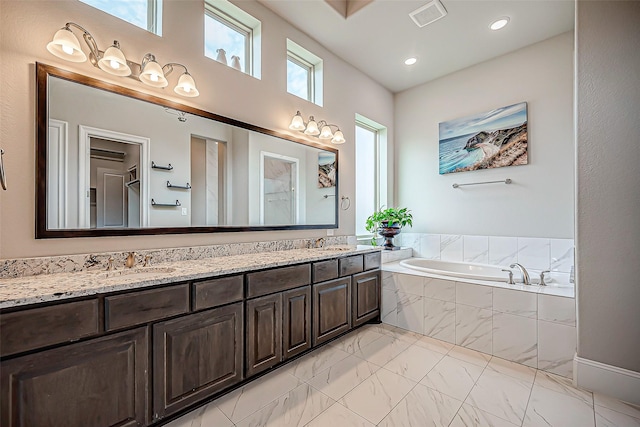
(410, 61)
(500, 23)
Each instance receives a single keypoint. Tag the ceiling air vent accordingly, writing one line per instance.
(428, 13)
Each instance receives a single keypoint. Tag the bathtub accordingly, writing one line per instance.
(457, 269)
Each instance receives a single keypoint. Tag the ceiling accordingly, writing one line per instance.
(378, 38)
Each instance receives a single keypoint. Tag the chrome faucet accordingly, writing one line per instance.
(320, 242)
(131, 260)
(110, 264)
(525, 273)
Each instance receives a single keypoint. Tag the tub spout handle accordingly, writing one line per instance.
(542, 282)
(510, 276)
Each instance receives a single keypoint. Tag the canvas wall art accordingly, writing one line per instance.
(488, 140)
(326, 170)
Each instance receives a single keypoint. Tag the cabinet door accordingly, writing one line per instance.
(264, 333)
(297, 321)
(98, 383)
(331, 309)
(366, 297)
(196, 356)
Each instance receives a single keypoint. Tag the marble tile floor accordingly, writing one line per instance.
(380, 375)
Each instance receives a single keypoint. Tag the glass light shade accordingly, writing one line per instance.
(312, 127)
(186, 86)
(153, 76)
(114, 62)
(297, 123)
(65, 45)
(325, 132)
(338, 137)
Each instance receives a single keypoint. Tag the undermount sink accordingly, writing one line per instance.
(136, 273)
(337, 248)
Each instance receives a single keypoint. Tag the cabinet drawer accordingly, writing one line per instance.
(145, 306)
(372, 261)
(277, 280)
(39, 327)
(325, 270)
(350, 265)
(216, 292)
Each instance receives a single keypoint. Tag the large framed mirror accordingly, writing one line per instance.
(112, 161)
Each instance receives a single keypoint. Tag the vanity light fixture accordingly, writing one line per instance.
(65, 45)
(320, 129)
(499, 23)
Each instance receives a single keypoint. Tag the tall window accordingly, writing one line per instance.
(146, 14)
(304, 73)
(371, 171)
(229, 28)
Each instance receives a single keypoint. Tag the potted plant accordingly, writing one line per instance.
(388, 223)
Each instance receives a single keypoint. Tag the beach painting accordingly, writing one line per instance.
(326, 170)
(488, 140)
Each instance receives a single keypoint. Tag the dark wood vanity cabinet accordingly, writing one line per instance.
(264, 333)
(296, 325)
(331, 309)
(366, 293)
(101, 382)
(133, 358)
(195, 356)
(279, 319)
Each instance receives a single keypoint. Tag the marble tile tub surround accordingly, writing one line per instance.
(531, 328)
(98, 261)
(534, 253)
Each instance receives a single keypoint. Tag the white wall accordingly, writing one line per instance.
(539, 203)
(608, 183)
(27, 26)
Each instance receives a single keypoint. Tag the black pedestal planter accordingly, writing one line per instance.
(388, 233)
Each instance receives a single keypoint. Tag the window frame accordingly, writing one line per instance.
(310, 68)
(237, 20)
(154, 16)
(237, 26)
(380, 171)
(306, 59)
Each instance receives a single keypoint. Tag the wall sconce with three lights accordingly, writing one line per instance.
(65, 45)
(320, 129)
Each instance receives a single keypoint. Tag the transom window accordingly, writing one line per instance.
(146, 14)
(304, 73)
(228, 28)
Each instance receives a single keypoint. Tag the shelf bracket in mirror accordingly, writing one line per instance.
(179, 187)
(164, 168)
(165, 205)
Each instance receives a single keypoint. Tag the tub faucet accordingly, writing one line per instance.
(525, 273)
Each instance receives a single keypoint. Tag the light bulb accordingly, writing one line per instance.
(186, 88)
(114, 64)
(153, 77)
(67, 49)
(499, 24)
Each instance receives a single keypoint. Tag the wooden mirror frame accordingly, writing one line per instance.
(43, 72)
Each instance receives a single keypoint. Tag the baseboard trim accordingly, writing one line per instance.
(611, 380)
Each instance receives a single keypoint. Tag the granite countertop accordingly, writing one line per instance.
(53, 287)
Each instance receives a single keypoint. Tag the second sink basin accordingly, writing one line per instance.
(136, 273)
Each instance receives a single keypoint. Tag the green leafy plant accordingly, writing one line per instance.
(390, 217)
